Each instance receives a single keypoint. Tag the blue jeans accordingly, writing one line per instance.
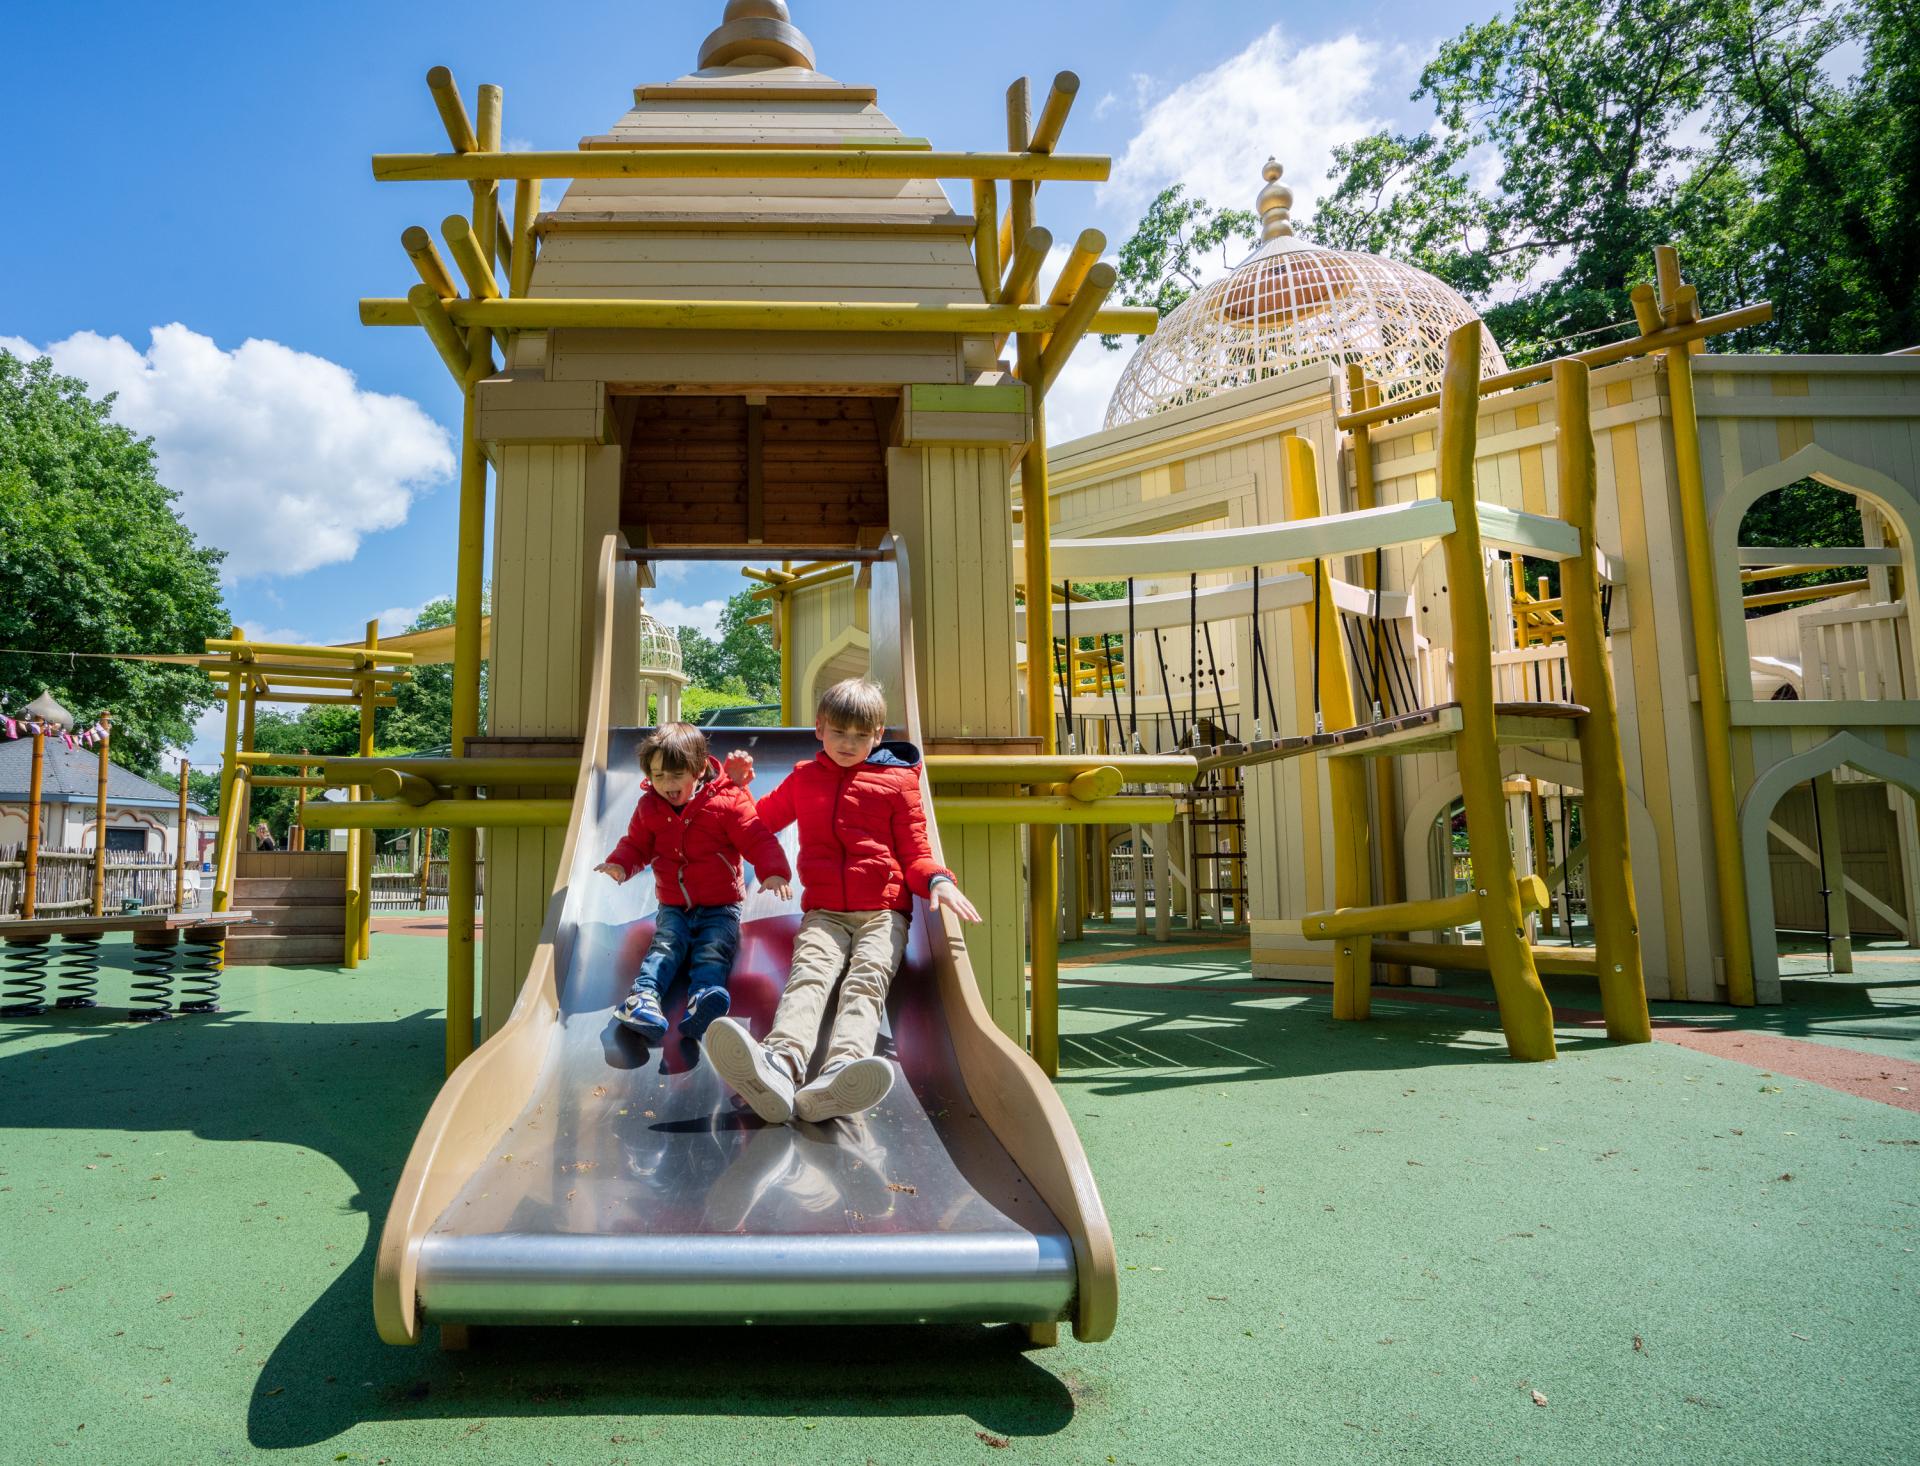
(700, 939)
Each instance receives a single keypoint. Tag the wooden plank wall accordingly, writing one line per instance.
(951, 507)
(1870, 854)
(823, 470)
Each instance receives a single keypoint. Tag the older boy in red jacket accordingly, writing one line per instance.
(692, 825)
(864, 856)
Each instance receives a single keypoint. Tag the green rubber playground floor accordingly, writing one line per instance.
(1341, 1242)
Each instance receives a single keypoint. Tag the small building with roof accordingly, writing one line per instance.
(142, 816)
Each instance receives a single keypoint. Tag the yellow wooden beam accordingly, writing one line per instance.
(1024, 273)
(1805, 593)
(442, 814)
(430, 312)
(453, 111)
(426, 259)
(1080, 315)
(357, 656)
(463, 242)
(749, 315)
(391, 783)
(1048, 810)
(1442, 913)
(870, 163)
(457, 772)
(988, 257)
(1053, 113)
(526, 208)
(1651, 339)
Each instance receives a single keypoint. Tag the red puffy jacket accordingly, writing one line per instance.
(863, 831)
(695, 850)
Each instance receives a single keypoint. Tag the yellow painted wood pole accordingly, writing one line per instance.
(1709, 651)
(1525, 1014)
(456, 815)
(180, 844)
(1612, 910)
(446, 337)
(100, 824)
(426, 260)
(249, 708)
(1094, 288)
(1019, 190)
(453, 111)
(526, 208)
(1833, 871)
(463, 844)
(229, 769)
(609, 313)
(987, 256)
(1346, 779)
(486, 192)
(470, 257)
(1084, 255)
(1386, 776)
(1024, 273)
(1043, 841)
(1440, 911)
(369, 844)
(30, 870)
(297, 836)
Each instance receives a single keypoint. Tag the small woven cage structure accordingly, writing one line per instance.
(659, 647)
(1293, 304)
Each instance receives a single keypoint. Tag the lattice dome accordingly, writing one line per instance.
(659, 647)
(1290, 304)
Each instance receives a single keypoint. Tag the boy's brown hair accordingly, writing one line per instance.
(856, 703)
(680, 747)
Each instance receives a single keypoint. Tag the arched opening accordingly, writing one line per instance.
(847, 655)
(1763, 830)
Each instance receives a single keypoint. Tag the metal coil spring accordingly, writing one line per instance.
(153, 983)
(25, 984)
(202, 955)
(78, 970)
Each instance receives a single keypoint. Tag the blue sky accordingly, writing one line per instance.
(201, 170)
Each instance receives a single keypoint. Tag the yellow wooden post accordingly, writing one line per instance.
(986, 237)
(1611, 908)
(1525, 1014)
(463, 844)
(1386, 779)
(790, 714)
(248, 709)
(180, 845)
(30, 871)
(526, 207)
(369, 842)
(1352, 868)
(100, 825)
(297, 836)
(229, 768)
(1710, 658)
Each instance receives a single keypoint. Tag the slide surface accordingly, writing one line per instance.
(571, 1173)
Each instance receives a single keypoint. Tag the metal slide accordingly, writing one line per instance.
(627, 1186)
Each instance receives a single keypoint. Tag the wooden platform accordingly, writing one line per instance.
(170, 947)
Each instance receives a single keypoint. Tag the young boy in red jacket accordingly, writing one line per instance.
(864, 856)
(692, 825)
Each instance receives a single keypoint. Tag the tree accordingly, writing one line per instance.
(1616, 125)
(742, 661)
(1160, 264)
(95, 563)
(422, 718)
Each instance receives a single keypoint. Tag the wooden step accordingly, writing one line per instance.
(298, 919)
(263, 949)
(256, 891)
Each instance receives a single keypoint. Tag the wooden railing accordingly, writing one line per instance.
(1855, 653)
(64, 882)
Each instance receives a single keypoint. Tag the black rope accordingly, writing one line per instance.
(1066, 700)
(1213, 671)
(1826, 891)
(1409, 687)
(1119, 723)
(1606, 607)
(1073, 668)
(1379, 621)
(1166, 688)
(1133, 686)
(1193, 657)
(1256, 650)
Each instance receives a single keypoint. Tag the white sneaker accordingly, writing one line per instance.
(846, 1089)
(749, 1070)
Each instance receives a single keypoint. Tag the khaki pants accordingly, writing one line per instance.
(867, 946)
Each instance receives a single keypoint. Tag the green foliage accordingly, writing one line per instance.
(1160, 264)
(1616, 125)
(741, 662)
(1804, 513)
(203, 788)
(94, 559)
(423, 716)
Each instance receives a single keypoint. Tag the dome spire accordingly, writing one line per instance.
(1274, 204)
(756, 32)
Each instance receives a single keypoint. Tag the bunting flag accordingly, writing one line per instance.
(27, 727)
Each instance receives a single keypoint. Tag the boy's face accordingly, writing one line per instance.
(846, 746)
(674, 786)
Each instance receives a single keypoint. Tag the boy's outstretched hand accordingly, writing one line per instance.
(608, 868)
(739, 767)
(779, 887)
(947, 896)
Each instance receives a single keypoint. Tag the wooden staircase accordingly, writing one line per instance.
(298, 900)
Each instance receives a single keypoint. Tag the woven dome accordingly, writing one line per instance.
(659, 647)
(1289, 305)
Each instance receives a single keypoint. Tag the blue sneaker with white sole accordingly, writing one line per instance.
(641, 1013)
(702, 1009)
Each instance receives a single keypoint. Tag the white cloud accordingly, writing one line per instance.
(704, 616)
(396, 619)
(1077, 401)
(1275, 98)
(1105, 105)
(276, 635)
(278, 456)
